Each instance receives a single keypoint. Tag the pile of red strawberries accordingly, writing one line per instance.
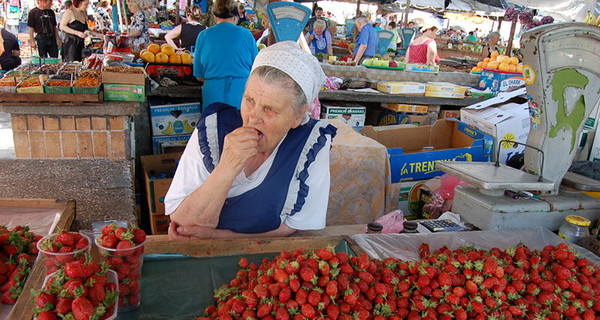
(18, 251)
(126, 259)
(80, 291)
(62, 248)
(465, 283)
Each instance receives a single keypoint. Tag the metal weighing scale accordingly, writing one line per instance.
(287, 19)
(562, 72)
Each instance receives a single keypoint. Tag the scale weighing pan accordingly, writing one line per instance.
(287, 19)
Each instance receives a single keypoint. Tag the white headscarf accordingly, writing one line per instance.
(300, 65)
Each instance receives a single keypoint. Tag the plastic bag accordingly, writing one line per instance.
(441, 195)
(333, 83)
(314, 110)
(392, 222)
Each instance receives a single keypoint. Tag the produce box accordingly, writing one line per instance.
(413, 151)
(408, 197)
(388, 117)
(176, 72)
(502, 119)
(158, 142)
(124, 77)
(350, 114)
(158, 174)
(159, 224)
(124, 92)
(400, 107)
(445, 90)
(402, 87)
(172, 119)
(497, 81)
(445, 114)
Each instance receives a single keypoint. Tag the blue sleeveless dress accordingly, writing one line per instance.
(284, 189)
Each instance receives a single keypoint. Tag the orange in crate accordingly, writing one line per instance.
(175, 59)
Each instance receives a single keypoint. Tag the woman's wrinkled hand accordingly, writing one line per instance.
(239, 146)
(178, 232)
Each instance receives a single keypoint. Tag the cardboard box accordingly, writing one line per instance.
(159, 224)
(413, 151)
(158, 174)
(446, 114)
(160, 142)
(124, 92)
(408, 197)
(124, 78)
(445, 90)
(172, 119)
(399, 107)
(351, 114)
(503, 119)
(499, 81)
(401, 87)
(388, 117)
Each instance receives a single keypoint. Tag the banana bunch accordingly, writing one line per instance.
(598, 21)
(590, 18)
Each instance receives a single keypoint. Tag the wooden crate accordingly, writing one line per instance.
(50, 98)
(23, 308)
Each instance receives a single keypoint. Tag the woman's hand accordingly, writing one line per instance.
(310, 38)
(239, 146)
(177, 232)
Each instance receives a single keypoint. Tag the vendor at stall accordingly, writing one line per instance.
(491, 46)
(187, 32)
(223, 57)
(9, 58)
(424, 49)
(139, 33)
(319, 40)
(260, 171)
(367, 41)
(102, 17)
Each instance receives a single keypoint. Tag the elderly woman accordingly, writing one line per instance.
(74, 24)
(260, 171)
(319, 40)
(187, 32)
(424, 49)
(102, 17)
(491, 46)
(138, 32)
(223, 57)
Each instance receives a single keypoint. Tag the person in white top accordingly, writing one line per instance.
(260, 171)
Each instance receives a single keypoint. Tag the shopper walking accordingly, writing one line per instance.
(43, 33)
(74, 25)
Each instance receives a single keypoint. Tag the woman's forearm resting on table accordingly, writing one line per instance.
(179, 232)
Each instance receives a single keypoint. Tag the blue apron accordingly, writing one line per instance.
(283, 190)
(314, 43)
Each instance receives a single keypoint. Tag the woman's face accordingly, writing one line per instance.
(268, 108)
(84, 4)
(319, 30)
(431, 33)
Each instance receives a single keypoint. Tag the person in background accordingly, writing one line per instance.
(491, 46)
(367, 41)
(139, 33)
(241, 15)
(317, 16)
(262, 171)
(187, 32)
(264, 37)
(74, 24)
(377, 25)
(223, 56)
(319, 40)
(394, 42)
(471, 37)
(424, 49)
(102, 17)
(66, 5)
(9, 59)
(43, 33)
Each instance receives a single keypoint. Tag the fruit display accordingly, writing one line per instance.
(165, 54)
(383, 63)
(16, 258)
(86, 81)
(63, 247)
(466, 283)
(122, 249)
(81, 290)
(527, 17)
(590, 18)
(499, 62)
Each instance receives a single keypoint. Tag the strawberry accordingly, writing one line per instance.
(314, 298)
(109, 228)
(243, 263)
(63, 306)
(78, 270)
(308, 311)
(308, 274)
(139, 236)
(82, 308)
(9, 297)
(109, 241)
(282, 314)
(66, 238)
(82, 244)
(45, 300)
(123, 248)
(292, 267)
(46, 315)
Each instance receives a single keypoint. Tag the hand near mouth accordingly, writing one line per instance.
(239, 146)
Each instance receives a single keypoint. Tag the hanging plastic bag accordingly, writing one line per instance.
(392, 222)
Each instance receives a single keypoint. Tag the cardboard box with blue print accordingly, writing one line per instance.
(498, 81)
(351, 114)
(505, 117)
(388, 117)
(172, 119)
(160, 142)
(158, 175)
(414, 150)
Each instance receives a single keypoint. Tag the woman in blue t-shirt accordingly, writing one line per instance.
(319, 40)
(223, 57)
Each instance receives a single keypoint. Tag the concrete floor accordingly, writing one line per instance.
(7, 146)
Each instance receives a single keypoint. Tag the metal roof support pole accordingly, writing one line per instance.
(358, 8)
(406, 13)
(513, 28)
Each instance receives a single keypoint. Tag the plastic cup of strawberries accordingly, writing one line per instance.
(123, 250)
(61, 248)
